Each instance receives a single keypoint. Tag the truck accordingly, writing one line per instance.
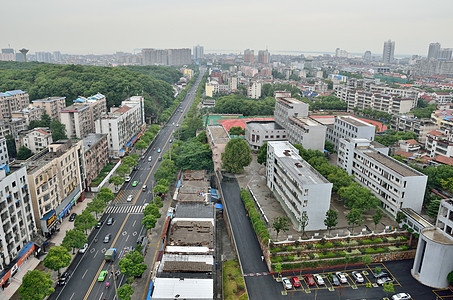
(110, 254)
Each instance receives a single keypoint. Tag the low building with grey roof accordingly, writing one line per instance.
(259, 132)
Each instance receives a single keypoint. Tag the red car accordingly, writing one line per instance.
(295, 281)
(309, 279)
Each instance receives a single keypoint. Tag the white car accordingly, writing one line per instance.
(129, 198)
(341, 277)
(357, 276)
(318, 279)
(83, 249)
(127, 179)
(150, 158)
(287, 283)
(401, 296)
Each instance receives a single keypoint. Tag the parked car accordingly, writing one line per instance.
(109, 221)
(309, 279)
(72, 217)
(295, 281)
(99, 224)
(64, 278)
(335, 280)
(83, 249)
(380, 274)
(383, 280)
(127, 179)
(401, 296)
(140, 239)
(341, 277)
(286, 283)
(129, 198)
(357, 276)
(150, 158)
(107, 238)
(318, 279)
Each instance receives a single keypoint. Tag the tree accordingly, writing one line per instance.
(105, 194)
(57, 258)
(122, 170)
(166, 170)
(129, 161)
(74, 238)
(24, 153)
(58, 130)
(377, 218)
(303, 222)
(280, 224)
(447, 184)
(97, 206)
(11, 146)
(367, 259)
(125, 292)
(329, 146)
(36, 285)
(149, 221)
(262, 154)
(450, 278)
(278, 269)
(400, 217)
(160, 189)
(85, 221)
(433, 208)
(331, 219)
(236, 156)
(356, 196)
(116, 180)
(132, 264)
(236, 130)
(377, 270)
(152, 209)
(355, 217)
(140, 145)
(388, 288)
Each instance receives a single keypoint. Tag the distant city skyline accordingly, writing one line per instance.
(105, 27)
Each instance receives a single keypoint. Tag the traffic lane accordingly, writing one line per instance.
(246, 241)
(263, 287)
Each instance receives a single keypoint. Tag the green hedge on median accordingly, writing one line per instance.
(258, 224)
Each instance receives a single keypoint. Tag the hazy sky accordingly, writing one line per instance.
(107, 26)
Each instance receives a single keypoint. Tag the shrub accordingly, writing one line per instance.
(309, 246)
(368, 284)
(337, 244)
(296, 243)
(385, 240)
(276, 249)
(377, 240)
(349, 249)
(290, 257)
(322, 241)
(289, 248)
(235, 291)
(450, 277)
(311, 255)
(361, 242)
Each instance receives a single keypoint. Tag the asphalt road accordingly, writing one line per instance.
(127, 227)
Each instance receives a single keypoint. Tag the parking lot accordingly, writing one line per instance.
(398, 271)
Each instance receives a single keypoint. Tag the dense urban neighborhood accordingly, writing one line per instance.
(180, 174)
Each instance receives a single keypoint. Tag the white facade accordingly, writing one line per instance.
(122, 124)
(394, 183)
(17, 222)
(286, 107)
(4, 158)
(434, 257)
(36, 139)
(297, 185)
(439, 143)
(254, 90)
(259, 132)
(308, 132)
(349, 127)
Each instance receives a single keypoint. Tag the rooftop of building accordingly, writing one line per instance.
(193, 191)
(391, 163)
(195, 210)
(417, 217)
(436, 235)
(263, 125)
(444, 160)
(91, 139)
(293, 162)
(290, 100)
(354, 121)
(77, 107)
(93, 98)
(12, 93)
(219, 134)
(191, 232)
(49, 99)
(183, 288)
(186, 263)
(306, 121)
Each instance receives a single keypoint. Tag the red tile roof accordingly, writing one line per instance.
(412, 142)
(123, 109)
(404, 153)
(444, 160)
(435, 132)
(42, 131)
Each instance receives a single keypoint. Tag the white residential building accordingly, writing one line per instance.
(254, 90)
(297, 185)
(259, 132)
(51, 105)
(439, 143)
(4, 158)
(35, 139)
(17, 222)
(306, 131)
(123, 125)
(349, 127)
(286, 107)
(394, 183)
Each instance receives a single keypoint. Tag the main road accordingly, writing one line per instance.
(127, 226)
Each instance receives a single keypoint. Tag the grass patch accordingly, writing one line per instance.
(233, 282)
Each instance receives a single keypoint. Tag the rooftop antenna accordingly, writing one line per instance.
(24, 53)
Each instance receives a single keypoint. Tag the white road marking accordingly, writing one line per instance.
(84, 273)
(71, 296)
(95, 254)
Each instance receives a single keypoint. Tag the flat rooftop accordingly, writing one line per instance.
(195, 210)
(293, 163)
(354, 121)
(306, 121)
(186, 263)
(190, 175)
(264, 125)
(185, 288)
(191, 233)
(91, 139)
(291, 100)
(437, 236)
(414, 215)
(193, 191)
(391, 163)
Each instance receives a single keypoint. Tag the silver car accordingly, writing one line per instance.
(83, 249)
(287, 283)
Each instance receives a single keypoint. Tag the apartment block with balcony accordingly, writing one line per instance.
(29, 113)
(56, 178)
(439, 143)
(421, 127)
(123, 125)
(434, 257)
(17, 223)
(12, 101)
(4, 157)
(12, 126)
(96, 155)
(35, 139)
(51, 105)
(77, 120)
(443, 118)
(97, 103)
(297, 185)
(395, 184)
(349, 127)
(306, 131)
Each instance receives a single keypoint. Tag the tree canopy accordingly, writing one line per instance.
(36, 285)
(57, 258)
(394, 136)
(74, 238)
(192, 155)
(236, 156)
(239, 104)
(24, 153)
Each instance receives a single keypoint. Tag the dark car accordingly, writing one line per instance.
(140, 240)
(109, 221)
(107, 238)
(64, 278)
(72, 217)
(99, 224)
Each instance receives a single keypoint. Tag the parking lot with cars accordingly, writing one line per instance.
(356, 282)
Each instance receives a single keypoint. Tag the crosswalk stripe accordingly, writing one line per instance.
(122, 209)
